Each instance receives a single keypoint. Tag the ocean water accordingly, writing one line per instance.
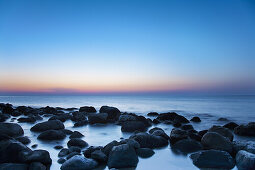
(240, 109)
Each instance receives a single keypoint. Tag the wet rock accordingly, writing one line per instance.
(156, 121)
(98, 118)
(145, 152)
(63, 152)
(48, 125)
(133, 143)
(29, 119)
(245, 160)
(180, 119)
(78, 116)
(34, 146)
(177, 124)
(88, 109)
(7, 109)
(23, 139)
(245, 130)
(159, 132)
(13, 166)
(88, 151)
(52, 135)
(187, 146)
(149, 141)
(167, 116)
(177, 134)
(11, 129)
(58, 147)
(78, 162)
(195, 119)
(77, 142)
(49, 110)
(76, 134)
(202, 132)
(187, 127)
(61, 160)
(152, 114)
(41, 156)
(222, 131)
(74, 149)
(37, 166)
(213, 140)
(222, 119)
(122, 156)
(132, 126)
(126, 117)
(70, 155)
(243, 145)
(67, 131)
(107, 148)
(81, 123)
(194, 136)
(213, 159)
(4, 117)
(231, 125)
(99, 156)
(113, 112)
(62, 117)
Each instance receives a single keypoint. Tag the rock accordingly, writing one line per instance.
(70, 155)
(74, 149)
(52, 135)
(41, 156)
(98, 118)
(67, 131)
(88, 151)
(245, 130)
(243, 145)
(78, 162)
(34, 146)
(195, 119)
(81, 123)
(132, 126)
(62, 117)
(177, 134)
(63, 152)
(159, 132)
(194, 136)
(156, 121)
(152, 114)
(28, 119)
(77, 142)
(23, 139)
(122, 156)
(4, 117)
(126, 117)
(131, 142)
(13, 166)
(76, 134)
(99, 156)
(88, 109)
(145, 152)
(222, 131)
(107, 148)
(58, 147)
(213, 159)
(245, 160)
(11, 129)
(48, 125)
(187, 127)
(78, 116)
(213, 140)
(180, 119)
(49, 110)
(231, 125)
(36, 166)
(222, 119)
(7, 109)
(149, 141)
(187, 146)
(61, 160)
(113, 112)
(167, 116)
(202, 132)
(177, 124)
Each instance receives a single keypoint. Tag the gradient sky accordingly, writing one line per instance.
(60, 46)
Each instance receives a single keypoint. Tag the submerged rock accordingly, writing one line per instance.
(245, 160)
(167, 116)
(52, 135)
(11, 129)
(48, 125)
(180, 119)
(213, 159)
(195, 119)
(78, 162)
(122, 156)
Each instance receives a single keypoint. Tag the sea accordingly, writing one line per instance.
(235, 108)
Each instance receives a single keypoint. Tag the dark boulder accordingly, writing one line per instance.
(62, 117)
(78, 162)
(49, 110)
(180, 119)
(98, 118)
(89, 150)
(213, 159)
(29, 119)
(107, 148)
(37, 166)
(77, 142)
(88, 109)
(145, 152)
(13, 166)
(195, 119)
(41, 156)
(231, 125)
(113, 112)
(61, 160)
(74, 149)
(48, 125)
(245, 130)
(81, 123)
(132, 126)
(187, 127)
(11, 129)
(159, 132)
(63, 152)
(23, 139)
(70, 155)
(187, 146)
(57, 147)
(4, 117)
(76, 134)
(152, 114)
(126, 117)
(245, 160)
(78, 116)
(177, 134)
(7, 109)
(52, 135)
(222, 131)
(99, 156)
(167, 116)
(122, 156)
(223, 119)
(202, 132)
(133, 143)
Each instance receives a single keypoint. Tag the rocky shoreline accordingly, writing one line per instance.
(210, 148)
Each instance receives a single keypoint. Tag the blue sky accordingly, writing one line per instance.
(127, 45)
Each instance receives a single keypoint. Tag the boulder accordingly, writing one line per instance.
(11, 129)
(152, 114)
(88, 109)
(223, 119)
(222, 131)
(98, 118)
(52, 135)
(231, 125)
(49, 110)
(245, 130)
(245, 160)
(99, 156)
(4, 117)
(62, 117)
(13, 166)
(81, 123)
(29, 119)
(7, 109)
(187, 127)
(89, 150)
(63, 152)
(70, 155)
(41, 156)
(122, 156)
(131, 142)
(61, 160)
(76, 134)
(149, 141)
(180, 119)
(23, 139)
(37, 166)
(113, 112)
(243, 145)
(126, 117)
(213, 140)
(48, 125)
(78, 116)
(132, 126)
(107, 148)
(74, 149)
(167, 116)
(177, 134)
(159, 132)
(78, 162)
(77, 142)
(195, 119)
(145, 152)
(213, 159)
(187, 146)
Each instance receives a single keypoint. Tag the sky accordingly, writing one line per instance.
(107, 46)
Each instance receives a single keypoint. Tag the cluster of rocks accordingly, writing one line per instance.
(211, 148)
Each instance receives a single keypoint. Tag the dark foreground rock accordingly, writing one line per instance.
(222, 131)
(245, 130)
(122, 156)
(52, 135)
(11, 129)
(213, 159)
(245, 160)
(48, 125)
(78, 162)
